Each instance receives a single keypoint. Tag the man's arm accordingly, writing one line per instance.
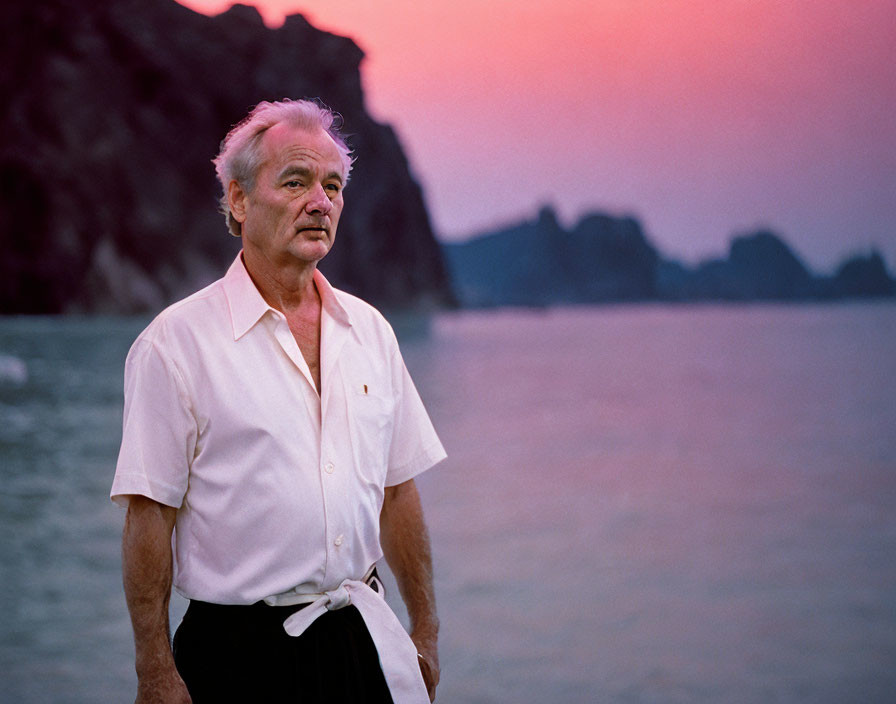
(147, 572)
(405, 544)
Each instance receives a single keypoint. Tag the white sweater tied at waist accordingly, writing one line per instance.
(397, 652)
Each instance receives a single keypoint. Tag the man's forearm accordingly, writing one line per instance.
(147, 572)
(405, 543)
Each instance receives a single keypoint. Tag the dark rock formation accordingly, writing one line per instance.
(514, 266)
(608, 259)
(759, 266)
(538, 263)
(112, 113)
(863, 277)
(611, 260)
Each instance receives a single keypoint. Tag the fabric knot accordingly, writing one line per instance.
(338, 598)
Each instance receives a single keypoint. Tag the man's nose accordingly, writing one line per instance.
(318, 201)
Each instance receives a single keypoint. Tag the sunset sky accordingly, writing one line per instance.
(702, 118)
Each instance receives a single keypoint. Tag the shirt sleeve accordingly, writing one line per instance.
(159, 430)
(415, 446)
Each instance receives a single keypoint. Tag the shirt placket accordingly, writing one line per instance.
(333, 469)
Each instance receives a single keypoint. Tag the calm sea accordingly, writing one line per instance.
(641, 504)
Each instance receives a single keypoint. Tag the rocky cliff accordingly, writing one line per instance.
(862, 276)
(759, 266)
(605, 258)
(539, 263)
(112, 113)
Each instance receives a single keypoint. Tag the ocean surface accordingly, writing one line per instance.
(641, 504)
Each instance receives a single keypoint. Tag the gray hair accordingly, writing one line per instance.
(240, 156)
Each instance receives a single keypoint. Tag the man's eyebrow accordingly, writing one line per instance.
(297, 170)
(294, 170)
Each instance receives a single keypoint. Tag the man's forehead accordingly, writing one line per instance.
(284, 143)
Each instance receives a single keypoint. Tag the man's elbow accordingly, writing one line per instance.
(142, 509)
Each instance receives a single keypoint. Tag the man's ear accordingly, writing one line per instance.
(236, 199)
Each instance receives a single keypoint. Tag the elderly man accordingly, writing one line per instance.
(271, 428)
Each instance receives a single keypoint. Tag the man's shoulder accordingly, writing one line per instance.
(361, 311)
(364, 316)
(202, 311)
(359, 307)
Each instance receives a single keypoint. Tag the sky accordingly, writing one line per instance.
(704, 119)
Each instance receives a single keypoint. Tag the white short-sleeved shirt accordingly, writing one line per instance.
(277, 488)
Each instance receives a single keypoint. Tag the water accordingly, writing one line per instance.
(641, 504)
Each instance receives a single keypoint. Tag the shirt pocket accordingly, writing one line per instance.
(372, 418)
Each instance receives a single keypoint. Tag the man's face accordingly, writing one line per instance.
(292, 212)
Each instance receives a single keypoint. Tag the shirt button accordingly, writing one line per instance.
(338, 541)
(329, 468)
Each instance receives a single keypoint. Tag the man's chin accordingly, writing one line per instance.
(311, 251)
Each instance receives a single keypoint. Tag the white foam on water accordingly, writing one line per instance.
(13, 370)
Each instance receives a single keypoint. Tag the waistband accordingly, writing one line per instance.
(284, 604)
(293, 597)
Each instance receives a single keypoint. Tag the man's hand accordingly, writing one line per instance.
(405, 544)
(428, 659)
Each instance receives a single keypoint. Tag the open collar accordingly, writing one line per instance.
(247, 306)
(330, 301)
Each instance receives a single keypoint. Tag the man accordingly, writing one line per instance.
(272, 429)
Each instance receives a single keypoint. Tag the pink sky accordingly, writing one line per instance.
(702, 117)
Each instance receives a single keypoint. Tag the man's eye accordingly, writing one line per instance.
(293, 184)
(333, 187)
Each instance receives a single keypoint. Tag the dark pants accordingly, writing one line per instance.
(241, 654)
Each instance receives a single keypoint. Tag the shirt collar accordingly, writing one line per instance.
(330, 301)
(247, 306)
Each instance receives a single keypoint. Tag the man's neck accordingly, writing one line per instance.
(288, 289)
(292, 291)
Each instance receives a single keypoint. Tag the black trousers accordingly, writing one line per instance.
(241, 654)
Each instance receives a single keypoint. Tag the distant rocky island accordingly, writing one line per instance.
(606, 259)
(111, 114)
